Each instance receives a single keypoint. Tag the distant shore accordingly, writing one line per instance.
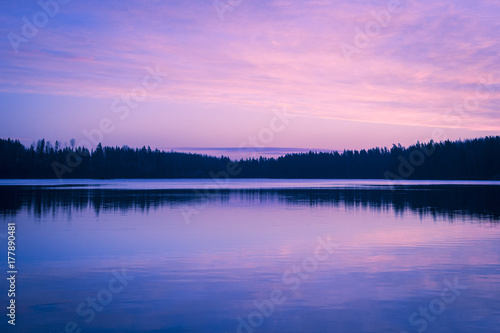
(473, 159)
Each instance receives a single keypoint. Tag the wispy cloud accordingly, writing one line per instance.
(428, 59)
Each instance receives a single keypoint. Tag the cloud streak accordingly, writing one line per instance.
(429, 58)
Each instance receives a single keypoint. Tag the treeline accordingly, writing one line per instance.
(476, 159)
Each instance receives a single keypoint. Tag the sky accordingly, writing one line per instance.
(238, 73)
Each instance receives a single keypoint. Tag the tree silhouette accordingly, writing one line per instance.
(474, 159)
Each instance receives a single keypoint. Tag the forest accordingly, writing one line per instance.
(471, 159)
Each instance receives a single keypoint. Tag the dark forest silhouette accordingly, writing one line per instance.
(475, 159)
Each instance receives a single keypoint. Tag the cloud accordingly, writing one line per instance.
(429, 58)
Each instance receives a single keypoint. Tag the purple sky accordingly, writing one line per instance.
(349, 74)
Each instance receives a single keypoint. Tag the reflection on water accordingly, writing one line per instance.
(249, 260)
(474, 202)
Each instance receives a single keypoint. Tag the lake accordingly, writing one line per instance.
(253, 255)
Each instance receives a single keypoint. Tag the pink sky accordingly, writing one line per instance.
(423, 67)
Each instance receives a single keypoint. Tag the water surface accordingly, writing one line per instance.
(343, 256)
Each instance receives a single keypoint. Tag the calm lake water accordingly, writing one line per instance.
(253, 256)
